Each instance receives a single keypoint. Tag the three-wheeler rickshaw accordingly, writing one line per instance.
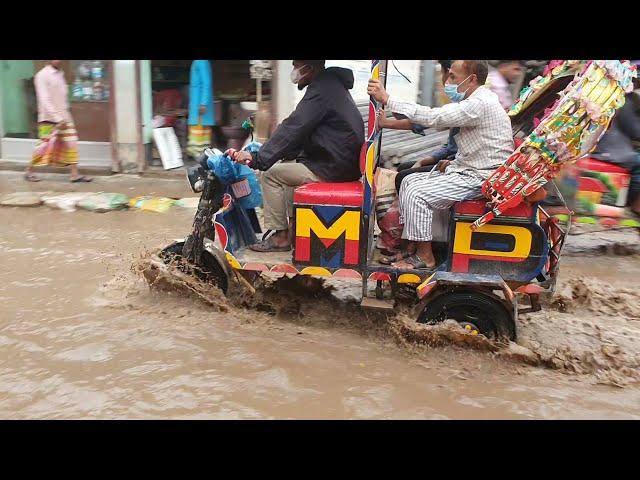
(496, 255)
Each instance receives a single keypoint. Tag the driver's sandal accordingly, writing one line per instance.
(268, 246)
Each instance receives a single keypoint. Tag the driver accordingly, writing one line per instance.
(319, 142)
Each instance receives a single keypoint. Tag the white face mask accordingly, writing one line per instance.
(296, 76)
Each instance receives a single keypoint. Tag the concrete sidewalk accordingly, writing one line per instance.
(173, 185)
(151, 171)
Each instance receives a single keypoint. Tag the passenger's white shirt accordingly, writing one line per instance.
(485, 140)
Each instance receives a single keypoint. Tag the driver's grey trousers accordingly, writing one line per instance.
(278, 184)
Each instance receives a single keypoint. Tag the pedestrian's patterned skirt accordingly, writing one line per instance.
(56, 146)
(199, 139)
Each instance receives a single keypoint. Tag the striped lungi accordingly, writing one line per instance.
(199, 140)
(421, 194)
(57, 146)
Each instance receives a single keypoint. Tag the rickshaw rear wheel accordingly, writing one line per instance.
(210, 271)
(475, 311)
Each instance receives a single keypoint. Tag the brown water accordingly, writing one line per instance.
(83, 337)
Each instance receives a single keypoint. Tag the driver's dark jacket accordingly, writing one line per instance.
(325, 132)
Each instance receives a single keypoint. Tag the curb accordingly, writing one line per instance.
(21, 166)
(150, 171)
(98, 202)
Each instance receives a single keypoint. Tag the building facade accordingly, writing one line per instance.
(115, 103)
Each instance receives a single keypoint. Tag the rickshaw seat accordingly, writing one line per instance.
(595, 165)
(479, 207)
(348, 194)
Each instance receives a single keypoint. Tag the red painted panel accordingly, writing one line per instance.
(477, 207)
(600, 166)
(303, 249)
(351, 252)
(588, 184)
(471, 207)
(460, 263)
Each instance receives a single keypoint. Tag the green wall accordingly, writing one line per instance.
(14, 103)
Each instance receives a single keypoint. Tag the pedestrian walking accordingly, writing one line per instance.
(58, 145)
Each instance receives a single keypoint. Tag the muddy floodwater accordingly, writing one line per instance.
(82, 336)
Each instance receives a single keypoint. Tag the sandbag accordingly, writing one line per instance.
(65, 201)
(21, 199)
(385, 181)
(152, 204)
(104, 202)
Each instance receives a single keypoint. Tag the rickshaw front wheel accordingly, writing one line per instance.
(476, 311)
(210, 271)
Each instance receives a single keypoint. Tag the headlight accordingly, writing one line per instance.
(196, 176)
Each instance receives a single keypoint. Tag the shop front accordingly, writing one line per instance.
(235, 95)
(91, 103)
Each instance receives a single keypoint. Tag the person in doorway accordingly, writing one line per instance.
(502, 77)
(484, 143)
(201, 114)
(319, 142)
(56, 130)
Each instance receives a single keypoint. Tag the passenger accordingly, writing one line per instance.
(319, 142)
(484, 143)
(620, 144)
(446, 152)
(500, 79)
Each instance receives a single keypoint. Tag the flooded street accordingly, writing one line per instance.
(83, 337)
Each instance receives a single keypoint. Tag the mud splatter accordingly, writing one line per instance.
(587, 328)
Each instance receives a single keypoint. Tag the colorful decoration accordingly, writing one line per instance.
(555, 69)
(318, 230)
(369, 154)
(570, 131)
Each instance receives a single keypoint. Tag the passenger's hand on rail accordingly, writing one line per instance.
(377, 91)
(381, 119)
